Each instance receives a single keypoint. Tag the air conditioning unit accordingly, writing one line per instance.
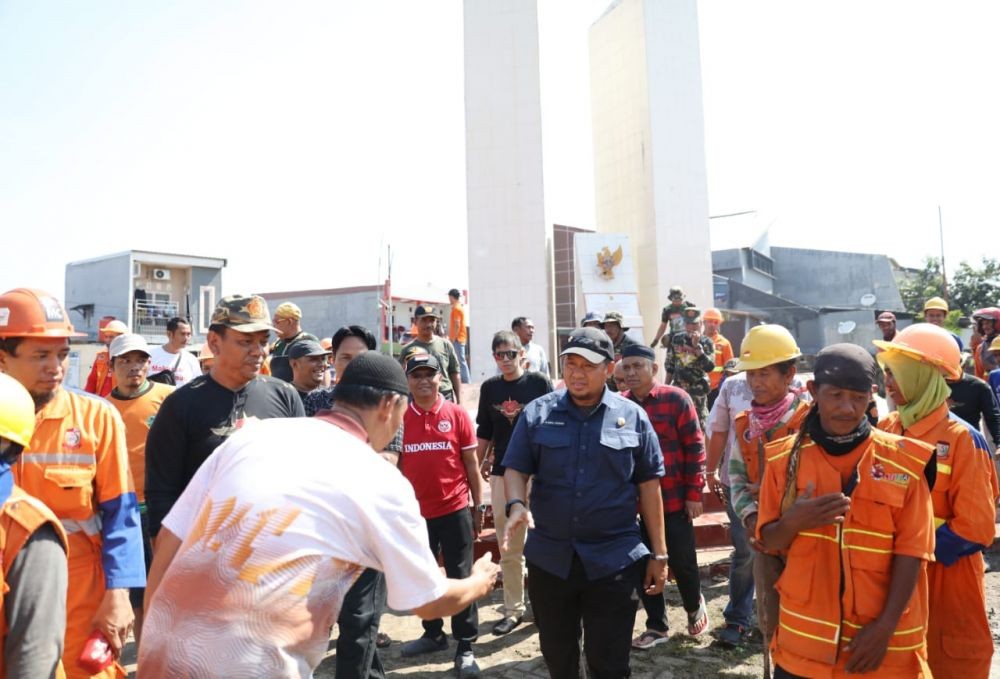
(161, 274)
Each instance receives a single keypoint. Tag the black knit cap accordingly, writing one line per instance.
(639, 350)
(846, 366)
(372, 369)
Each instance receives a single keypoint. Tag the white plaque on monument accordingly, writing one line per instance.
(606, 279)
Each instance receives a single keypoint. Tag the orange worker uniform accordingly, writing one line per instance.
(753, 451)
(138, 414)
(959, 642)
(723, 353)
(456, 324)
(20, 516)
(101, 380)
(837, 577)
(77, 464)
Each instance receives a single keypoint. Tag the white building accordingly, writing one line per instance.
(510, 270)
(649, 147)
(144, 290)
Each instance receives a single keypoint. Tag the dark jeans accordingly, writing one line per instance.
(136, 594)
(451, 535)
(683, 563)
(357, 655)
(605, 606)
(784, 674)
(739, 610)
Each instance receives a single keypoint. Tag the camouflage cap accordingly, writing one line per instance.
(615, 317)
(692, 315)
(242, 313)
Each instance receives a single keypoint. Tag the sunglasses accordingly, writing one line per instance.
(508, 355)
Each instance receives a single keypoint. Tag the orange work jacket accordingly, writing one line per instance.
(837, 576)
(753, 451)
(101, 379)
(20, 516)
(959, 642)
(723, 352)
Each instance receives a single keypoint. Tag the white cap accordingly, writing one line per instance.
(126, 343)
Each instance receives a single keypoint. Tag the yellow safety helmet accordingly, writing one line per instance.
(766, 345)
(17, 411)
(995, 344)
(936, 303)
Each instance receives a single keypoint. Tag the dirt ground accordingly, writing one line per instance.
(517, 654)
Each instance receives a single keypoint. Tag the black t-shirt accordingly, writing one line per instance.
(500, 404)
(971, 398)
(193, 421)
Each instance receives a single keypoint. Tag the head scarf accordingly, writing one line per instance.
(922, 385)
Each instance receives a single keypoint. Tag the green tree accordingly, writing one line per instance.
(973, 288)
(919, 287)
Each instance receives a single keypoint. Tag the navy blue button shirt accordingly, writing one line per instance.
(586, 471)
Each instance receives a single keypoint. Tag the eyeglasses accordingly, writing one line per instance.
(505, 355)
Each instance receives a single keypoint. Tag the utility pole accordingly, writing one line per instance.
(944, 277)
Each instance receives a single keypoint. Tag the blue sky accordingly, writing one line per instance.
(296, 140)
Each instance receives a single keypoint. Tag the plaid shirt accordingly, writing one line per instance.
(675, 422)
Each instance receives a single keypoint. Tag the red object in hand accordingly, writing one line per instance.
(97, 654)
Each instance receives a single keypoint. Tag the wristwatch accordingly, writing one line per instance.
(658, 557)
(507, 507)
(482, 508)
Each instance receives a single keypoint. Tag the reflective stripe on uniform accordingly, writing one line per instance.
(943, 468)
(91, 526)
(60, 458)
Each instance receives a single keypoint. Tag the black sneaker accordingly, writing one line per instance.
(733, 635)
(424, 645)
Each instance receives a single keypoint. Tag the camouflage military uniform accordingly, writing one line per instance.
(690, 370)
(673, 316)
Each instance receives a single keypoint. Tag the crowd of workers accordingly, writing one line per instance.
(153, 504)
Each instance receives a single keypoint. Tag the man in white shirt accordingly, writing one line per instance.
(173, 355)
(534, 355)
(253, 561)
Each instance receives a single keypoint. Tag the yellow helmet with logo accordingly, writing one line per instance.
(17, 411)
(766, 345)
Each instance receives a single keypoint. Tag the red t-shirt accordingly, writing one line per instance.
(433, 441)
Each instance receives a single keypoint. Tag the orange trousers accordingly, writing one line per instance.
(83, 596)
(959, 642)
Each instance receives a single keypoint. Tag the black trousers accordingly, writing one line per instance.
(357, 655)
(784, 674)
(451, 535)
(683, 562)
(606, 607)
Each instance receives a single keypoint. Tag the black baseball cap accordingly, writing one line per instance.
(304, 348)
(591, 343)
(422, 360)
(425, 310)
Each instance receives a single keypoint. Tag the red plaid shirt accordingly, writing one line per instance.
(675, 421)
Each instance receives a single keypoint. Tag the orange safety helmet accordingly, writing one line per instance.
(25, 312)
(711, 315)
(927, 343)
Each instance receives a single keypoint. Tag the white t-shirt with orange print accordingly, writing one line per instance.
(275, 527)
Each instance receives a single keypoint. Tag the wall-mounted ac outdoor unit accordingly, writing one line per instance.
(161, 274)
